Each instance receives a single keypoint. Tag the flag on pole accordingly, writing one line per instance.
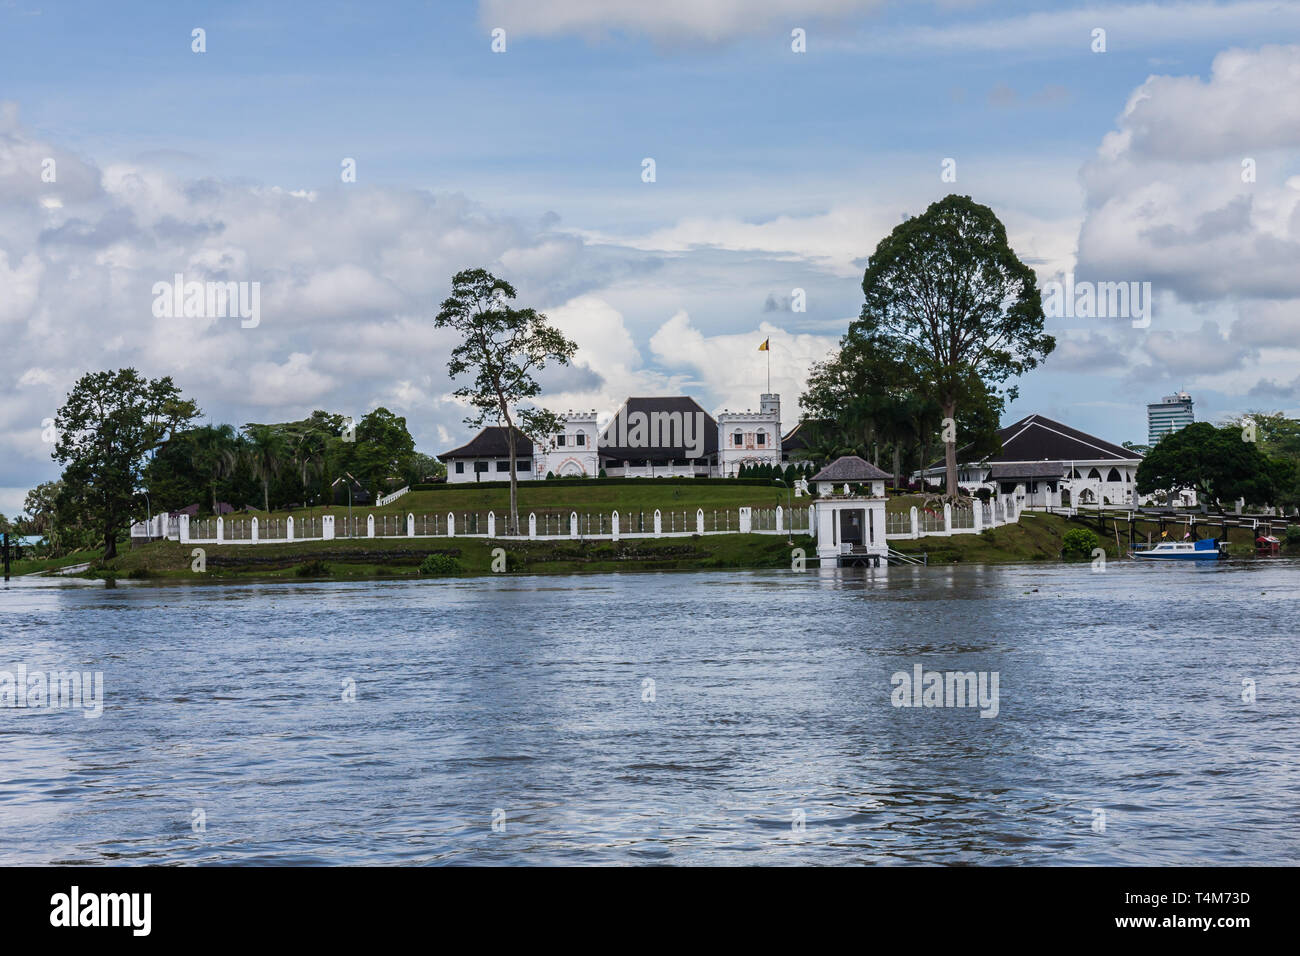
(763, 347)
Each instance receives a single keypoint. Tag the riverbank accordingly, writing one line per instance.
(1035, 538)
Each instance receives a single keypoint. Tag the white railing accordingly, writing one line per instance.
(388, 499)
(558, 524)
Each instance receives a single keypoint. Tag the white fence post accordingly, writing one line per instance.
(327, 527)
(451, 524)
(221, 530)
(780, 519)
(916, 522)
(370, 526)
(659, 523)
(183, 528)
(812, 521)
(288, 528)
(947, 518)
(977, 508)
(410, 525)
(573, 524)
(613, 525)
(699, 521)
(532, 525)
(492, 524)
(253, 535)
(745, 520)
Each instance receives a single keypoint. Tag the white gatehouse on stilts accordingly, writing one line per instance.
(850, 513)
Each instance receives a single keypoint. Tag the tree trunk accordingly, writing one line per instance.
(266, 495)
(898, 466)
(514, 482)
(950, 448)
(110, 544)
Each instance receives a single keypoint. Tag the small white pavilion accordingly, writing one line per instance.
(850, 523)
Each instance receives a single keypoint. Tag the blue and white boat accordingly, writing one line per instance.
(1207, 549)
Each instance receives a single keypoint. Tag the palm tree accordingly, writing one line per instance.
(826, 443)
(266, 450)
(306, 446)
(214, 454)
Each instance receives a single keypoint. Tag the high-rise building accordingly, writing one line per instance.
(1170, 414)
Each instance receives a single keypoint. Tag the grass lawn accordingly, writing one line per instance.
(541, 498)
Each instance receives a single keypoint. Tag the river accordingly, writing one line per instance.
(1146, 714)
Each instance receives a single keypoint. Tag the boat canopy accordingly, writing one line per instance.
(1207, 544)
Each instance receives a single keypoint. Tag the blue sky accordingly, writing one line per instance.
(775, 170)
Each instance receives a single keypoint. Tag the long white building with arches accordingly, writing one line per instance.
(1044, 463)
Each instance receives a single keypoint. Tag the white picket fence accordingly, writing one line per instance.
(558, 526)
(927, 522)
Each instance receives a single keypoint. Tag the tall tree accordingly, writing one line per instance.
(39, 507)
(501, 347)
(953, 296)
(267, 451)
(109, 422)
(382, 450)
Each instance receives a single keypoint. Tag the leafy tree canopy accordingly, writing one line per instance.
(1216, 463)
(109, 423)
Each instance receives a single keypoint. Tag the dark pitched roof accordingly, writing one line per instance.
(1036, 438)
(1028, 469)
(850, 468)
(491, 442)
(796, 439)
(683, 405)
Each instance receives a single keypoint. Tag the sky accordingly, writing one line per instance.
(1147, 142)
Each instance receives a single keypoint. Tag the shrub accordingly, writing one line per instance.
(602, 474)
(1292, 537)
(440, 565)
(315, 568)
(1078, 543)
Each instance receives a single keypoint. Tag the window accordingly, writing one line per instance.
(580, 440)
(738, 439)
(1094, 473)
(760, 439)
(503, 465)
(525, 464)
(460, 468)
(480, 466)
(559, 441)
(1114, 475)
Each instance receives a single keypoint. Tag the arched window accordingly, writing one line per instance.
(760, 438)
(1074, 473)
(1113, 475)
(1095, 474)
(580, 439)
(738, 439)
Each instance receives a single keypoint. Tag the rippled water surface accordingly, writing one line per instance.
(1119, 691)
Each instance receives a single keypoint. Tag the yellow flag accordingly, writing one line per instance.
(763, 347)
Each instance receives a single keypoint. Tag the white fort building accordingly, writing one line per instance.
(646, 437)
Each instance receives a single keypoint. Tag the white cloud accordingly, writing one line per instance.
(1165, 194)
(1128, 27)
(709, 20)
(731, 367)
